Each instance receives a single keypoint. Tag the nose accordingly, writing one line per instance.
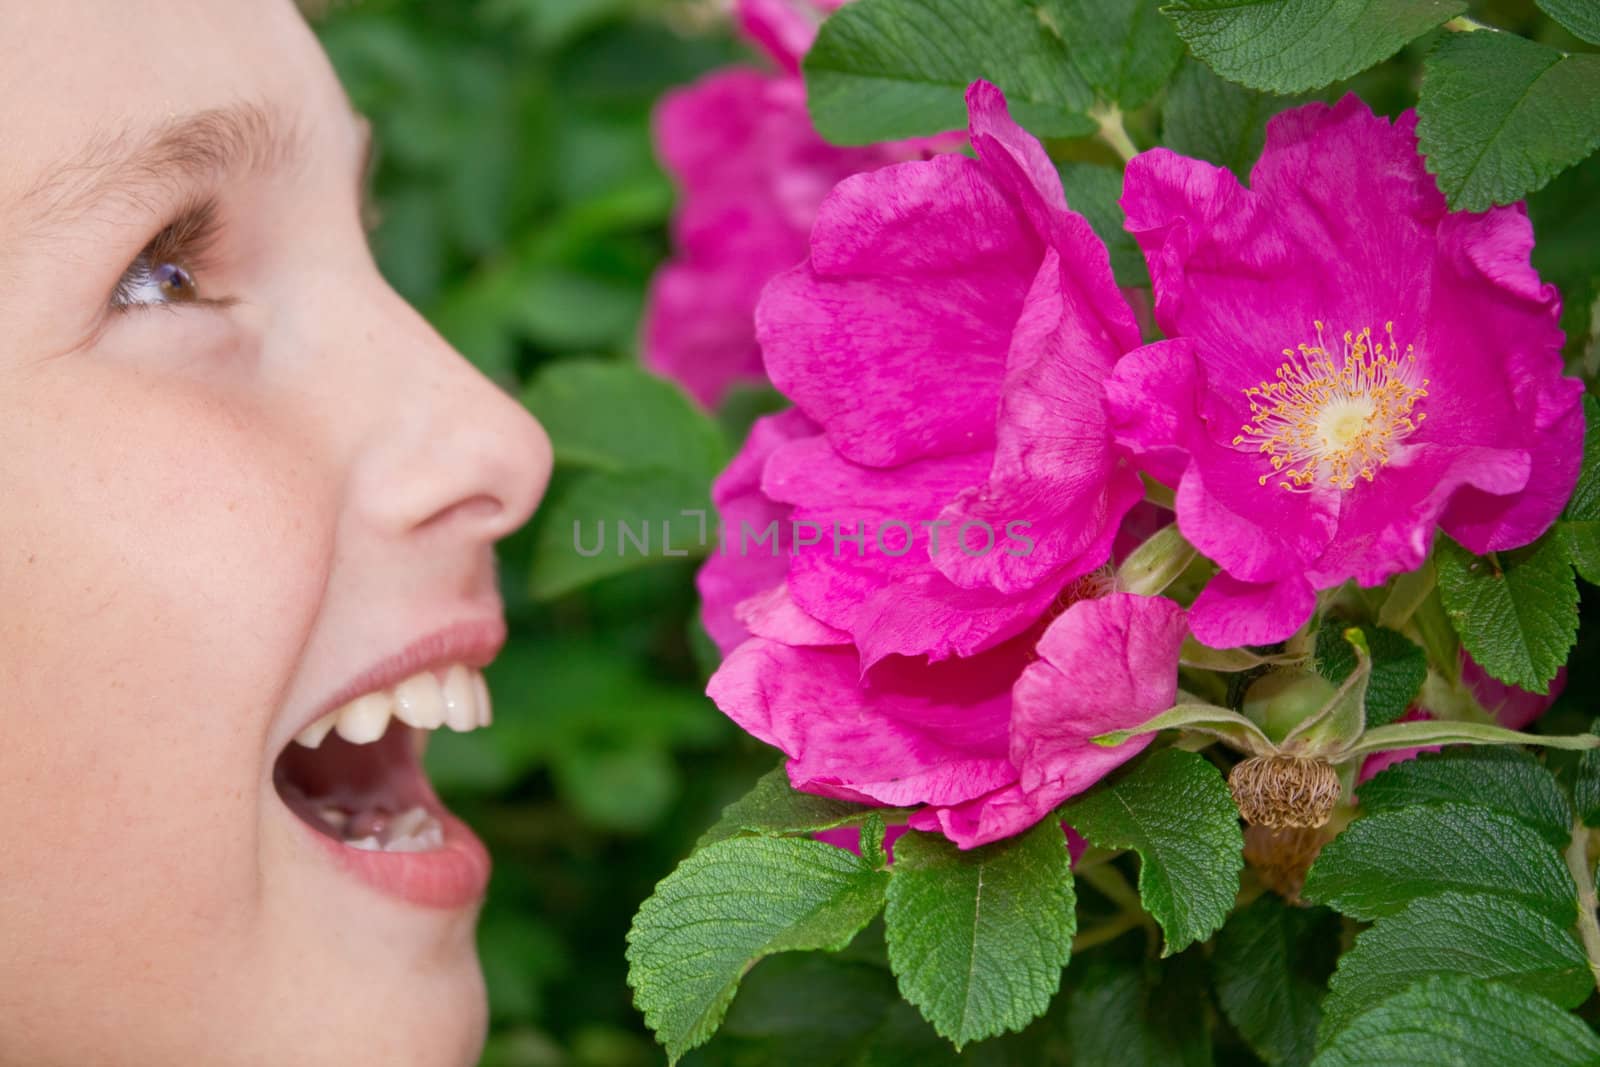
(449, 450)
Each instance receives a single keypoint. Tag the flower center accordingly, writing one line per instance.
(1331, 422)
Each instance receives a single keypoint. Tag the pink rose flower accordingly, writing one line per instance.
(949, 338)
(985, 746)
(1350, 366)
(946, 347)
(751, 171)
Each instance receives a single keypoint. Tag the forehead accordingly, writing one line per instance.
(78, 75)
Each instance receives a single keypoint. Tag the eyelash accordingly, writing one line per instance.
(186, 242)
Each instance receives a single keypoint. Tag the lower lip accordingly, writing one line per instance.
(452, 877)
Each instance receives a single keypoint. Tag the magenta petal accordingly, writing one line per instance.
(861, 554)
(738, 570)
(1055, 467)
(894, 336)
(1229, 613)
(1513, 707)
(913, 734)
(784, 28)
(1106, 664)
(774, 614)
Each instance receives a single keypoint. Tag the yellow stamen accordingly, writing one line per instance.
(1332, 422)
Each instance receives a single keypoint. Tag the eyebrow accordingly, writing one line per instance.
(176, 154)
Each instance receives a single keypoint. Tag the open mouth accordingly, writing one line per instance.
(355, 777)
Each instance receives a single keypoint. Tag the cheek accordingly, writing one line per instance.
(163, 549)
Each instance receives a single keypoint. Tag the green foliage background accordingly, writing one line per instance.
(521, 209)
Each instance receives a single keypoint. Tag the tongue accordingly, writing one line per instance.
(371, 796)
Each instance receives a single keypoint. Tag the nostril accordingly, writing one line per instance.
(482, 510)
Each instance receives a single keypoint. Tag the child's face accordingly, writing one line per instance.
(241, 483)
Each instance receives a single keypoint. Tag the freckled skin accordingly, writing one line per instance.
(213, 519)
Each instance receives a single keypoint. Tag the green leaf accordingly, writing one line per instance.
(729, 905)
(1499, 116)
(1579, 528)
(615, 417)
(1451, 1019)
(1584, 504)
(1398, 668)
(595, 524)
(1175, 810)
(1485, 937)
(774, 808)
(1092, 191)
(1133, 1012)
(1288, 46)
(1586, 787)
(978, 938)
(886, 69)
(1125, 50)
(1581, 17)
(1504, 780)
(1384, 861)
(1518, 619)
(821, 1010)
(1271, 963)
(1215, 120)
(1136, 1011)
(1201, 719)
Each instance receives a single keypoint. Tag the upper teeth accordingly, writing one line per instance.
(460, 701)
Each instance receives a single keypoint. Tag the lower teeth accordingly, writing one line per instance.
(413, 830)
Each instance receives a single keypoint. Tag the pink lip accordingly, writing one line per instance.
(474, 643)
(451, 877)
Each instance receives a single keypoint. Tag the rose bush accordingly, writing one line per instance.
(1009, 561)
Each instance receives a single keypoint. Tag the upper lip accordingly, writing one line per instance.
(472, 642)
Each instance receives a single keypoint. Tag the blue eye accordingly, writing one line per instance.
(163, 273)
(145, 283)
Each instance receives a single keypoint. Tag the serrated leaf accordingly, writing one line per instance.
(1124, 49)
(729, 905)
(1480, 936)
(1584, 504)
(773, 808)
(1398, 668)
(1518, 619)
(1134, 1012)
(1450, 1019)
(1382, 862)
(1271, 962)
(597, 523)
(1092, 191)
(1209, 118)
(1579, 528)
(1175, 810)
(616, 417)
(1586, 787)
(1504, 780)
(886, 69)
(1580, 17)
(1289, 46)
(1498, 116)
(978, 938)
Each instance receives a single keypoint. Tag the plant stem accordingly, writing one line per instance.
(1588, 925)
(1112, 131)
(1109, 930)
(1115, 888)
